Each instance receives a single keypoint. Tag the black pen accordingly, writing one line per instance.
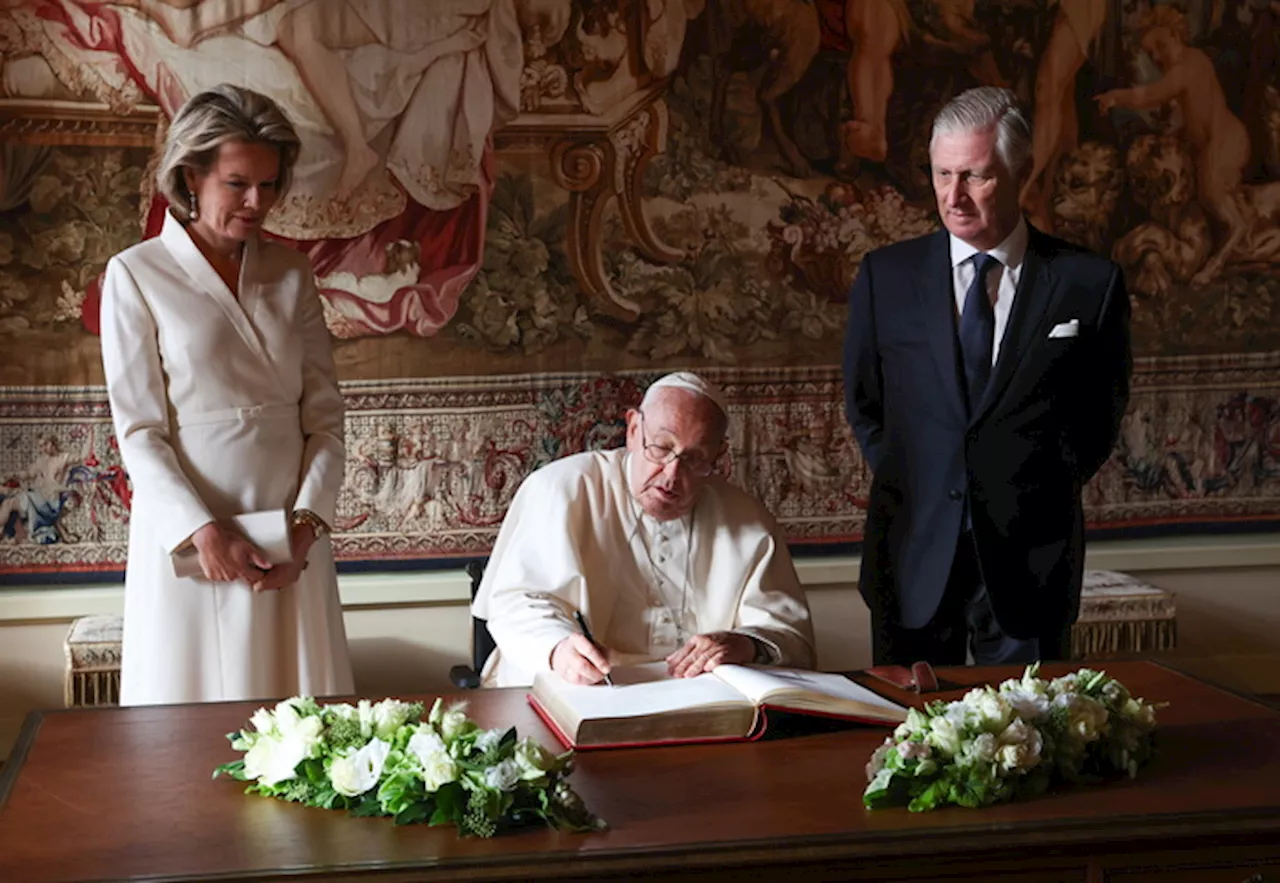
(586, 633)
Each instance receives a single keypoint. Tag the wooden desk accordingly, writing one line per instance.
(113, 793)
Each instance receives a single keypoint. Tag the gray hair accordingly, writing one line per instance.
(983, 109)
(209, 120)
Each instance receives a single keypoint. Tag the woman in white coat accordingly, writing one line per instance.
(223, 394)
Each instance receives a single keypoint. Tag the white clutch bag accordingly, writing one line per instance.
(267, 529)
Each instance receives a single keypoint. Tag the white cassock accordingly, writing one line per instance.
(222, 406)
(575, 539)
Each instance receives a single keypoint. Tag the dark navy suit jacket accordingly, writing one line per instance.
(1049, 417)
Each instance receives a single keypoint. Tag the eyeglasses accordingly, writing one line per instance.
(663, 455)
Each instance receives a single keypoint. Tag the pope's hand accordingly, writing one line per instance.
(225, 556)
(579, 661)
(704, 652)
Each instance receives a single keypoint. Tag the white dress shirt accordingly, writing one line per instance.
(1002, 283)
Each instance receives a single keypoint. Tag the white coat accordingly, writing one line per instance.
(569, 542)
(222, 406)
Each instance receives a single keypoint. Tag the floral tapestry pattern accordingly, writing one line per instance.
(667, 195)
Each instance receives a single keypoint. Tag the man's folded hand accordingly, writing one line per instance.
(704, 652)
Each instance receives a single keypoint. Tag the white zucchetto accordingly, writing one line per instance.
(690, 382)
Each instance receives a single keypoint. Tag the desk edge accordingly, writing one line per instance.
(18, 754)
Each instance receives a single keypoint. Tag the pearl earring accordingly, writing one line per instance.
(195, 208)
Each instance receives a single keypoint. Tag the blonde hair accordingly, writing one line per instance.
(1167, 17)
(209, 120)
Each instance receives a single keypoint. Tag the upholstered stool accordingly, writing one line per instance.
(93, 661)
(1121, 615)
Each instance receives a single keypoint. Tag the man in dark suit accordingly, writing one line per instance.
(986, 370)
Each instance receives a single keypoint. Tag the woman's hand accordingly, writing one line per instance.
(301, 536)
(225, 556)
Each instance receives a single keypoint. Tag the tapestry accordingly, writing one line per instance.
(520, 212)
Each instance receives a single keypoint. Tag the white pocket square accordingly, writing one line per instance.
(1065, 329)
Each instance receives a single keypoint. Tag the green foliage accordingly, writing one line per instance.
(344, 733)
(999, 744)
(81, 208)
(525, 294)
(234, 769)
(384, 759)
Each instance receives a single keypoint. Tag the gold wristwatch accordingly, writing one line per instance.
(306, 516)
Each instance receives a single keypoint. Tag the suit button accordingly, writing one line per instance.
(956, 495)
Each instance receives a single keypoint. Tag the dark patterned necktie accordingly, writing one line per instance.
(978, 330)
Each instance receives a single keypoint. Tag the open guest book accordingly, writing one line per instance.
(646, 706)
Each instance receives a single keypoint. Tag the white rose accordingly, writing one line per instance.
(440, 771)
(1065, 684)
(1020, 746)
(286, 717)
(389, 715)
(262, 721)
(356, 773)
(916, 722)
(294, 726)
(272, 761)
(960, 714)
(502, 776)
(453, 723)
(532, 759)
(1013, 757)
(944, 736)
(426, 743)
(488, 740)
(438, 768)
(1028, 682)
(258, 758)
(344, 710)
(982, 749)
(345, 776)
(1027, 703)
(992, 709)
(1086, 718)
(308, 733)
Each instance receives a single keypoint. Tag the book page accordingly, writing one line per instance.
(638, 690)
(811, 690)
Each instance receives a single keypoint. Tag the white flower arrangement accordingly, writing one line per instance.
(1016, 740)
(383, 759)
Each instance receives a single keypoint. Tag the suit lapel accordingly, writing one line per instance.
(1036, 290)
(937, 309)
(179, 243)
